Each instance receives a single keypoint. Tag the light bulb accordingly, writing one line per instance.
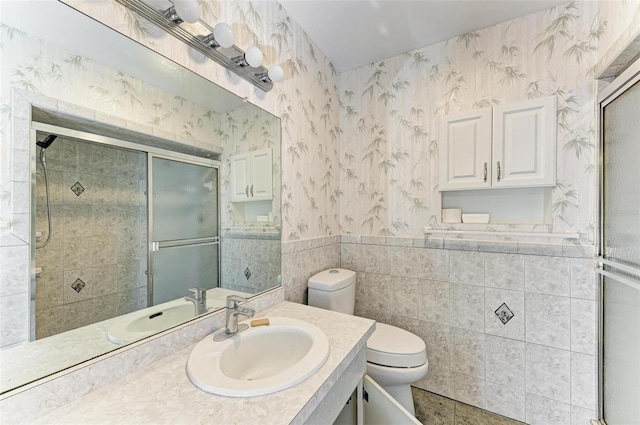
(275, 73)
(253, 56)
(223, 34)
(188, 10)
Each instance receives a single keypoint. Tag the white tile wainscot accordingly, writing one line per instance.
(162, 393)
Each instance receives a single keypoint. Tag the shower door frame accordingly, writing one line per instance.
(623, 81)
(88, 137)
(203, 162)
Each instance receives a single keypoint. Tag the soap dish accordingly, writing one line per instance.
(475, 218)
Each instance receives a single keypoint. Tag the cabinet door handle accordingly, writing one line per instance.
(498, 170)
(252, 191)
(246, 190)
(485, 172)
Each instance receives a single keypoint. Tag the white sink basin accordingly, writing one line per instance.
(150, 321)
(259, 360)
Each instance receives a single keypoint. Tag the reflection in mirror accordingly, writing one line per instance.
(106, 277)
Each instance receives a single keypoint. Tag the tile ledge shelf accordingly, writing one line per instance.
(429, 230)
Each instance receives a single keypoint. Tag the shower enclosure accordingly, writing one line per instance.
(619, 250)
(128, 226)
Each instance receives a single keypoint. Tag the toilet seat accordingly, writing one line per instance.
(394, 347)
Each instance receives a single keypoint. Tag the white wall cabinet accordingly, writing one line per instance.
(252, 176)
(505, 147)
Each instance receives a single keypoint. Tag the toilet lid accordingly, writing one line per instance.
(395, 347)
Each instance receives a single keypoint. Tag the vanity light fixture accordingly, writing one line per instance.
(275, 74)
(252, 57)
(182, 20)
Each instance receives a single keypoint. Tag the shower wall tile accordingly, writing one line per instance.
(105, 280)
(52, 255)
(468, 389)
(548, 372)
(466, 307)
(20, 166)
(505, 400)
(583, 278)
(493, 299)
(466, 267)
(434, 301)
(104, 190)
(103, 159)
(19, 198)
(49, 322)
(70, 178)
(76, 156)
(467, 352)
(544, 411)
(14, 270)
(581, 416)
(85, 287)
(49, 291)
(505, 362)
(105, 250)
(583, 326)
(77, 315)
(105, 307)
(78, 253)
(583, 380)
(128, 275)
(548, 320)
(504, 271)
(76, 220)
(13, 309)
(548, 275)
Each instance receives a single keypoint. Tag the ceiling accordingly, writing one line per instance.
(352, 33)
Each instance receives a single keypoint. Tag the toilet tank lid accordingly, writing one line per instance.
(332, 279)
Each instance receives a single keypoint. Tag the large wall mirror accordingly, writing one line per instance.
(130, 224)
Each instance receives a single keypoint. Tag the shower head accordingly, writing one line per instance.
(47, 141)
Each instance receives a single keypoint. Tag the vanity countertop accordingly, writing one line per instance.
(163, 394)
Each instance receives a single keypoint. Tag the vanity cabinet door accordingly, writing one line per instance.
(240, 177)
(465, 150)
(379, 408)
(524, 144)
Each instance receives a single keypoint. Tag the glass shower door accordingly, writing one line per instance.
(620, 255)
(184, 228)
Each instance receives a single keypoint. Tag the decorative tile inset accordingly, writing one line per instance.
(504, 313)
(77, 189)
(247, 273)
(78, 285)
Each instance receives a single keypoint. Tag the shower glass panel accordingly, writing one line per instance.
(184, 249)
(621, 258)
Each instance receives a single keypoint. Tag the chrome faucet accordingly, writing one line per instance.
(199, 300)
(232, 313)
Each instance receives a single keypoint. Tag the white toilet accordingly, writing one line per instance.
(395, 358)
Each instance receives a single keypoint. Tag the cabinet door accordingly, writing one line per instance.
(261, 185)
(240, 177)
(465, 150)
(524, 144)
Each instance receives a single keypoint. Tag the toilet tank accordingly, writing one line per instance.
(333, 289)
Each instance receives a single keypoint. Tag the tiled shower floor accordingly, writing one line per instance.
(432, 409)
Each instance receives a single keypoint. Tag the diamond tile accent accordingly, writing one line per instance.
(504, 313)
(78, 285)
(77, 189)
(247, 273)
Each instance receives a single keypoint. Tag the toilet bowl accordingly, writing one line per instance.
(395, 357)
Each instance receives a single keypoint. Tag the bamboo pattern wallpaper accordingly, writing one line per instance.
(390, 110)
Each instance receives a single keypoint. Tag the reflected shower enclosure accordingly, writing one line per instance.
(96, 264)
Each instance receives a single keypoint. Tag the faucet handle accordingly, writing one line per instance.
(198, 293)
(234, 300)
